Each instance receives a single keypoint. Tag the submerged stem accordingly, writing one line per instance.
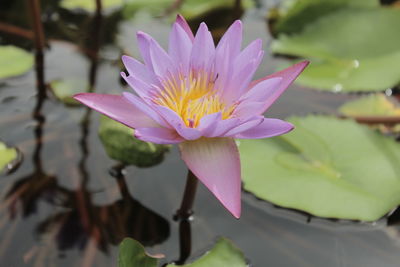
(183, 215)
(185, 211)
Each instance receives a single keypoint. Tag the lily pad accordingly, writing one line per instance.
(223, 254)
(120, 145)
(14, 61)
(345, 61)
(293, 15)
(90, 5)
(327, 167)
(372, 105)
(189, 9)
(132, 253)
(7, 156)
(65, 89)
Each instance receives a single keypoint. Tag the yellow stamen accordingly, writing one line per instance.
(192, 97)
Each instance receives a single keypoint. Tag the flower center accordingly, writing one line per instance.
(192, 97)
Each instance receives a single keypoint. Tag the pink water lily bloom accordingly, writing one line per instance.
(201, 97)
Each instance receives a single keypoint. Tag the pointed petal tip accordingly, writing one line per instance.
(232, 205)
(222, 174)
(237, 215)
(234, 210)
(80, 97)
(76, 96)
(143, 35)
(125, 59)
(203, 25)
(301, 65)
(179, 17)
(180, 20)
(238, 23)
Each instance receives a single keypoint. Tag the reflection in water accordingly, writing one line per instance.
(78, 222)
(30, 188)
(107, 224)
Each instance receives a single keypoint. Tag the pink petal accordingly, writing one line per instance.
(162, 63)
(223, 68)
(144, 47)
(158, 135)
(227, 65)
(261, 91)
(142, 88)
(216, 162)
(231, 40)
(137, 69)
(268, 128)
(288, 75)
(229, 45)
(208, 123)
(139, 104)
(248, 109)
(185, 26)
(222, 127)
(203, 50)
(177, 123)
(252, 51)
(251, 123)
(241, 79)
(117, 108)
(180, 47)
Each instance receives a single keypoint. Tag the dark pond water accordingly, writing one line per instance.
(62, 207)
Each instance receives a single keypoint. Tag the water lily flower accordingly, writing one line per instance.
(201, 97)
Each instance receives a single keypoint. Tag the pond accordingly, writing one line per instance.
(67, 203)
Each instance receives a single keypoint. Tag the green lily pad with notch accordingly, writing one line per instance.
(293, 15)
(132, 253)
(348, 53)
(371, 105)
(327, 167)
(223, 254)
(14, 61)
(7, 156)
(121, 145)
(65, 89)
(90, 5)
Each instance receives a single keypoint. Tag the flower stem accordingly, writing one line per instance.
(185, 211)
(183, 215)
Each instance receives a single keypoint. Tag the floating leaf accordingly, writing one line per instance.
(90, 5)
(120, 145)
(342, 60)
(194, 8)
(327, 167)
(223, 254)
(189, 9)
(14, 61)
(64, 90)
(294, 15)
(372, 105)
(132, 253)
(7, 155)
